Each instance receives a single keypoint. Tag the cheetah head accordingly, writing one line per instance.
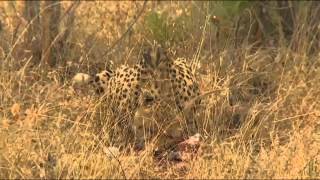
(156, 58)
(157, 63)
(100, 80)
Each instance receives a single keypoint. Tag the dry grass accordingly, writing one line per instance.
(263, 122)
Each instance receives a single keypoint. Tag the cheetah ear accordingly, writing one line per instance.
(109, 71)
(109, 66)
(147, 57)
(161, 55)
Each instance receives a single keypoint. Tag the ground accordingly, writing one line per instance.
(262, 121)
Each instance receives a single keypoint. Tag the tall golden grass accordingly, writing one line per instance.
(263, 122)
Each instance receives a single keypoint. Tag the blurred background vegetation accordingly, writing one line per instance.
(56, 32)
(262, 57)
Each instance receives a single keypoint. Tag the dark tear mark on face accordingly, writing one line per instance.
(96, 79)
(99, 90)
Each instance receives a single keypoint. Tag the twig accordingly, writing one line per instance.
(127, 31)
(117, 159)
(72, 7)
(196, 60)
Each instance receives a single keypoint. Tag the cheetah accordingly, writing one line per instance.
(171, 80)
(156, 85)
(170, 96)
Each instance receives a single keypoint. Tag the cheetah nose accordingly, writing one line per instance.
(148, 100)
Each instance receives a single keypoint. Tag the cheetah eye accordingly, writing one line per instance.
(91, 81)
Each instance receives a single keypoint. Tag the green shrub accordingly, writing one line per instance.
(157, 27)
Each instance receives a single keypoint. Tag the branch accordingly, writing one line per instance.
(127, 31)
